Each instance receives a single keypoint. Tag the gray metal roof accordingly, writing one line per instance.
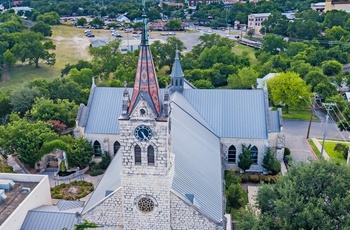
(110, 182)
(197, 160)
(104, 111)
(231, 113)
(38, 220)
(63, 205)
(275, 121)
(177, 70)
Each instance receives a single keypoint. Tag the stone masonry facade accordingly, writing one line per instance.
(108, 213)
(183, 216)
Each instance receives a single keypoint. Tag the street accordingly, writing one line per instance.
(296, 131)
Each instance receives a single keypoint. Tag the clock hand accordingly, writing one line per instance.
(144, 136)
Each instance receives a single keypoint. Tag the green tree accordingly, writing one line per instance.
(245, 78)
(164, 53)
(325, 90)
(30, 47)
(311, 196)
(313, 78)
(9, 59)
(22, 99)
(174, 24)
(270, 162)
(250, 33)
(245, 159)
(106, 58)
(25, 138)
(81, 22)
(80, 153)
(335, 18)
(64, 89)
(273, 44)
(5, 106)
(208, 41)
(286, 88)
(300, 67)
(82, 77)
(332, 67)
(41, 27)
(203, 84)
(46, 109)
(51, 18)
(97, 22)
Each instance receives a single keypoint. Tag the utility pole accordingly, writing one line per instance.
(328, 107)
(311, 103)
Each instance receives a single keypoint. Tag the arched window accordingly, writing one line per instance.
(150, 155)
(175, 82)
(254, 154)
(116, 147)
(231, 154)
(180, 82)
(137, 155)
(97, 149)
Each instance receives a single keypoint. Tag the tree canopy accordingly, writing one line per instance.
(311, 196)
(288, 89)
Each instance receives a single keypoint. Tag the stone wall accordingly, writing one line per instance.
(183, 216)
(259, 143)
(108, 213)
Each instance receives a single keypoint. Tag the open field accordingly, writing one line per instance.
(72, 45)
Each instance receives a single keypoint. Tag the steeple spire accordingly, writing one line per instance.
(146, 83)
(144, 36)
(177, 75)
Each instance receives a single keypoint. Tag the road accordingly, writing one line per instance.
(296, 131)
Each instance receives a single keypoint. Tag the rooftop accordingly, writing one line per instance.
(15, 196)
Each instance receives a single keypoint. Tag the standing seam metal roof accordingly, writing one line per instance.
(232, 113)
(197, 161)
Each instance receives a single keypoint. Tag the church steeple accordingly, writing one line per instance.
(177, 76)
(146, 83)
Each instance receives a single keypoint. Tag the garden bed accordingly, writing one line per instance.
(72, 191)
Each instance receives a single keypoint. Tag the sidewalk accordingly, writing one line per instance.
(319, 147)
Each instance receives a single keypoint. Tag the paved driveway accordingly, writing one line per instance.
(296, 131)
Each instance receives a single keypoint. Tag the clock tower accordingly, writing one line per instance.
(147, 162)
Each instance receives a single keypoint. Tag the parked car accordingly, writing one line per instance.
(90, 35)
(164, 33)
(136, 35)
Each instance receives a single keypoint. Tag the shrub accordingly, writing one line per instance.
(106, 160)
(97, 172)
(244, 178)
(254, 178)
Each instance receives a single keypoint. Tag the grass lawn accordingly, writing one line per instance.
(71, 45)
(335, 156)
(314, 148)
(299, 114)
(239, 49)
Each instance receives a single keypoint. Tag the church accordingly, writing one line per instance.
(170, 148)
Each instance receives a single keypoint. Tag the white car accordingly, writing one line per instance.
(136, 35)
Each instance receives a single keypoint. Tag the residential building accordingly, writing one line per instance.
(255, 20)
(329, 5)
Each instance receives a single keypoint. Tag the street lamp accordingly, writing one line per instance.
(311, 103)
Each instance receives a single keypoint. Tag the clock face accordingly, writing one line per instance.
(143, 133)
